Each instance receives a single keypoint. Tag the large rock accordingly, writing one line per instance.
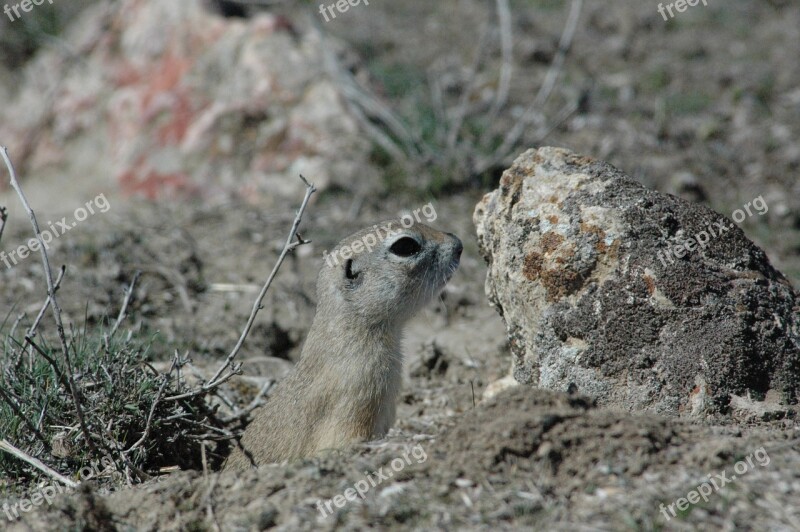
(172, 100)
(580, 272)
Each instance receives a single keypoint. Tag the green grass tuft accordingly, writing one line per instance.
(117, 387)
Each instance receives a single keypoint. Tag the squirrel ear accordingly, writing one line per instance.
(352, 273)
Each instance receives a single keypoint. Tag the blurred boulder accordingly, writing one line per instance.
(169, 98)
(601, 291)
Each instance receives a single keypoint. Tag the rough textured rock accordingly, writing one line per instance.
(173, 100)
(579, 271)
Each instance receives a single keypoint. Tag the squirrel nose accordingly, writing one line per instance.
(458, 247)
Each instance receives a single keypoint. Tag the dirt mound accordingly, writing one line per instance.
(562, 441)
(525, 458)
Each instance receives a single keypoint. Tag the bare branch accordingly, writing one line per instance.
(257, 401)
(361, 102)
(7, 447)
(206, 388)
(51, 292)
(11, 334)
(32, 329)
(506, 50)
(123, 312)
(59, 374)
(546, 89)
(3, 218)
(564, 45)
(461, 110)
(290, 244)
(149, 423)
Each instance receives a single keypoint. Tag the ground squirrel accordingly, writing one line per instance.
(344, 387)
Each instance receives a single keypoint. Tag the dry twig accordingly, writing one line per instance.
(506, 50)
(257, 401)
(11, 334)
(462, 110)
(149, 423)
(366, 108)
(35, 325)
(7, 447)
(456, 147)
(3, 219)
(290, 245)
(564, 45)
(51, 292)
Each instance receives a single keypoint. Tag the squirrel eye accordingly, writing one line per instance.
(405, 247)
(348, 270)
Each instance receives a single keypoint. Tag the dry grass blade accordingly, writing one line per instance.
(59, 374)
(15, 407)
(123, 311)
